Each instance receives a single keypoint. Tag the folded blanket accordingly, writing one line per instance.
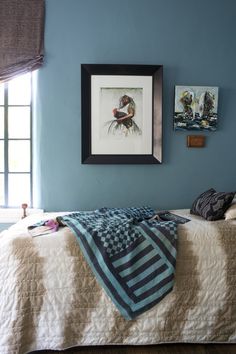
(131, 254)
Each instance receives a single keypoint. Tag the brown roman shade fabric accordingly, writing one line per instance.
(21, 36)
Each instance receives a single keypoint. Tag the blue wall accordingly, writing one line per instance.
(194, 40)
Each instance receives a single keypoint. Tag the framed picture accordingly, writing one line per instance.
(196, 108)
(121, 114)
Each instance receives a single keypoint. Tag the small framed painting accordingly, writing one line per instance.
(121, 114)
(196, 108)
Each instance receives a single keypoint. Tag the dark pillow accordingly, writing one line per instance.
(212, 205)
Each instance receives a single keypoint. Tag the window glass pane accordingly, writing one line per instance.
(19, 156)
(19, 90)
(19, 122)
(2, 199)
(1, 156)
(19, 189)
(1, 94)
(1, 123)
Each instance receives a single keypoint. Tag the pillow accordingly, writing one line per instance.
(231, 212)
(212, 205)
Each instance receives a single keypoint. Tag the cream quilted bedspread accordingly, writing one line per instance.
(49, 298)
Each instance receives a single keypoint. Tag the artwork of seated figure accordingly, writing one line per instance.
(124, 115)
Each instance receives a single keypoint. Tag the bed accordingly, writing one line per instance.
(49, 298)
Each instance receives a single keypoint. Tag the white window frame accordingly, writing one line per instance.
(6, 140)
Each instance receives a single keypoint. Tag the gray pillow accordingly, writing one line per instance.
(212, 205)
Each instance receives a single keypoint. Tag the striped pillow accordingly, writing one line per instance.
(212, 205)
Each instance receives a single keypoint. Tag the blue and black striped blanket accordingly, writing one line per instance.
(132, 255)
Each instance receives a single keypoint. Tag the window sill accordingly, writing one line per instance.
(11, 216)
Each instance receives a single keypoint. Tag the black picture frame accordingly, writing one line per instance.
(155, 73)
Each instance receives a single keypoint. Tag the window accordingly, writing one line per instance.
(16, 142)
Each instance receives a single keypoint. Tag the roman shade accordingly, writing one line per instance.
(21, 36)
